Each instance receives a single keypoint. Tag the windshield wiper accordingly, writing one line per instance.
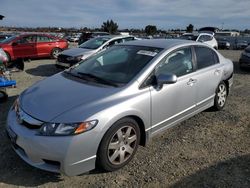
(98, 79)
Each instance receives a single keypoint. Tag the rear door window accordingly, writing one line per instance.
(205, 57)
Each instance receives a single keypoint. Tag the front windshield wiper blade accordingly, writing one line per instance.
(98, 79)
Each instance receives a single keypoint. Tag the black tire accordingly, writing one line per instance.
(3, 95)
(220, 96)
(54, 52)
(107, 157)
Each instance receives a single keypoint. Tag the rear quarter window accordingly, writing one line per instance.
(205, 57)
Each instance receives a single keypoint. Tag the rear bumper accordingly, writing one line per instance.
(70, 155)
(230, 82)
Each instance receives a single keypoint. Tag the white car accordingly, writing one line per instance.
(95, 45)
(206, 38)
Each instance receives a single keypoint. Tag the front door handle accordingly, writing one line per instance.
(191, 81)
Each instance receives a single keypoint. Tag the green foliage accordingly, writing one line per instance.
(150, 29)
(190, 28)
(110, 26)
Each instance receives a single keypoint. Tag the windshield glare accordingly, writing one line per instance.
(118, 64)
(94, 43)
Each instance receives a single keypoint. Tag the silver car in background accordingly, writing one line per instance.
(71, 56)
(97, 112)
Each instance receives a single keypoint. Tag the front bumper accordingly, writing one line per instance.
(70, 155)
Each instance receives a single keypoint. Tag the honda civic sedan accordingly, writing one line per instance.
(96, 113)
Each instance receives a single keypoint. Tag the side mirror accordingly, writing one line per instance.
(14, 44)
(165, 79)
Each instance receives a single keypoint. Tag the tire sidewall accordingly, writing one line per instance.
(53, 50)
(102, 155)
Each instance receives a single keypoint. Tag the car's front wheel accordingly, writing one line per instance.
(220, 96)
(119, 144)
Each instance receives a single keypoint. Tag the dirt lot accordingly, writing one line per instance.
(211, 149)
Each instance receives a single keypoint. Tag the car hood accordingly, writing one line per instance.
(56, 95)
(74, 52)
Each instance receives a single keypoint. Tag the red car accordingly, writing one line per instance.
(32, 46)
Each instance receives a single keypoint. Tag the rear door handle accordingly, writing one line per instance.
(191, 81)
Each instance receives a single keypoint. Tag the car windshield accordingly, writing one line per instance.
(8, 39)
(94, 43)
(189, 37)
(115, 66)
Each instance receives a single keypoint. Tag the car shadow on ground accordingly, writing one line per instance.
(43, 70)
(234, 172)
(13, 170)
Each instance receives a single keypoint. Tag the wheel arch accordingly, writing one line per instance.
(226, 81)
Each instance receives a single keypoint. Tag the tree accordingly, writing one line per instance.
(1, 17)
(110, 26)
(150, 29)
(190, 28)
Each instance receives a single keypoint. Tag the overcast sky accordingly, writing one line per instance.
(165, 14)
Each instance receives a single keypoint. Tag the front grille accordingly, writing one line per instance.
(30, 126)
(26, 120)
(62, 58)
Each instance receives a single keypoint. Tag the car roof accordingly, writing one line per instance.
(197, 34)
(159, 43)
(115, 36)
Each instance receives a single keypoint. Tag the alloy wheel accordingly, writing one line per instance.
(222, 94)
(122, 145)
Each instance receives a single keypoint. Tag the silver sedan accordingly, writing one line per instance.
(98, 112)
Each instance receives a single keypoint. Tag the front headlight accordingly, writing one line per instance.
(64, 129)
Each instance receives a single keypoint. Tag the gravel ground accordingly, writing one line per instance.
(212, 149)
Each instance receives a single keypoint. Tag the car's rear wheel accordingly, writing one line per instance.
(55, 52)
(119, 145)
(220, 96)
